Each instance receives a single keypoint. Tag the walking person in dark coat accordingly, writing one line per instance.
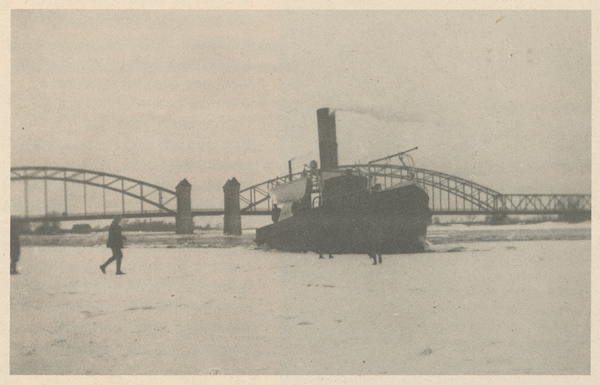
(15, 244)
(115, 242)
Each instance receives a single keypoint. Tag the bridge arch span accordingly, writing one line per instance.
(159, 197)
(448, 194)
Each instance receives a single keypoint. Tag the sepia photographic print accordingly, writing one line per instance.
(278, 193)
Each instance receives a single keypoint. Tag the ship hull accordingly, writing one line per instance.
(384, 222)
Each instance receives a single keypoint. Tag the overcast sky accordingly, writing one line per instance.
(502, 98)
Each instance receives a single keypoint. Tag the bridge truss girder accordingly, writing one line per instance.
(448, 194)
(549, 203)
(150, 194)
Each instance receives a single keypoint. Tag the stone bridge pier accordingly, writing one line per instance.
(232, 222)
(184, 223)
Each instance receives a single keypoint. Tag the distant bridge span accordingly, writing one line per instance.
(449, 195)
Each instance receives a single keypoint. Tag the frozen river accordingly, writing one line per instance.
(510, 307)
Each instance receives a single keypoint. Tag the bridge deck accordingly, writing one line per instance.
(221, 212)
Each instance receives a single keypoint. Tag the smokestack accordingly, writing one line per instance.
(327, 139)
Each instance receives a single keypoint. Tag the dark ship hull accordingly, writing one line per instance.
(361, 222)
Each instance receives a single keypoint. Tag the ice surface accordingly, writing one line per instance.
(517, 226)
(476, 308)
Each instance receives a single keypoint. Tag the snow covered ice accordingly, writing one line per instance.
(510, 307)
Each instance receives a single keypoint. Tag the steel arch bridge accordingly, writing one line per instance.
(162, 199)
(448, 194)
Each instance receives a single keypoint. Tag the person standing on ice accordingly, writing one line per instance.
(115, 242)
(373, 256)
(15, 244)
(376, 241)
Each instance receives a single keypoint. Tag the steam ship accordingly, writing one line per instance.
(333, 210)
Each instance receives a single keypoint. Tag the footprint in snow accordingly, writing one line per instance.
(426, 352)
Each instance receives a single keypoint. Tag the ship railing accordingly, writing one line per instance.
(381, 168)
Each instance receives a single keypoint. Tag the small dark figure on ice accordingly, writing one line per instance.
(115, 242)
(374, 257)
(15, 244)
(321, 256)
